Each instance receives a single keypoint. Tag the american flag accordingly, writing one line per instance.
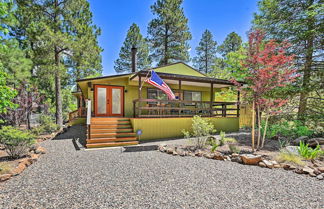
(156, 81)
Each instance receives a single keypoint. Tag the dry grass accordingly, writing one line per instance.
(288, 157)
(4, 168)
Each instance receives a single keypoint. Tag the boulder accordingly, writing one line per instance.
(299, 171)
(291, 150)
(5, 177)
(199, 153)
(169, 150)
(300, 139)
(288, 167)
(162, 148)
(209, 155)
(40, 150)
(218, 156)
(27, 161)
(320, 177)
(262, 164)
(20, 168)
(236, 159)
(308, 170)
(315, 141)
(34, 147)
(321, 169)
(250, 159)
(268, 163)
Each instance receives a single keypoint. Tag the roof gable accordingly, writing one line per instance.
(179, 68)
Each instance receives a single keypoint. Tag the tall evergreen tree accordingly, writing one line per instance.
(231, 43)
(134, 38)
(60, 35)
(301, 23)
(168, 32)
(206, 52)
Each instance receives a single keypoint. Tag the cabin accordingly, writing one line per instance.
(123, 110)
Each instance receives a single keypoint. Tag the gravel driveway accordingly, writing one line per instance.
(66, 178)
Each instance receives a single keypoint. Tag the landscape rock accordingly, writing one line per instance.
(321, 169)
(320, 177)
(299, 171)
(209, 156)
(315, 141)
(288, 167)
(307, 170)
(20, 168)
(34, 147)
(250, 159)
(162, 148)
(300, 139)
(277, 165)
(5, 177)
(236, 159)
(292, 150)
(262, 164)
(199, 153)
(40, 150)
(34, 157)
(169, 150)
(218, 156)
(268, 163)
(27, 161)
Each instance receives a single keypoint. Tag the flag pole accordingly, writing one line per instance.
(145, 78)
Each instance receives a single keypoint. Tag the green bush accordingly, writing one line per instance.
(47, 123)
(38, 130)
(201, 130)
(309, 153)
(289, 129)
(15, 141)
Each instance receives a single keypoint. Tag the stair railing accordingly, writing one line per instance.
(88, 117)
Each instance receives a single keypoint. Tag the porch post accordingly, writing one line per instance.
(211, 98)
(180, 95)
(139, 95)
(238, 104)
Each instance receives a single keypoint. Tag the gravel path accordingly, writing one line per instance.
(66, 178)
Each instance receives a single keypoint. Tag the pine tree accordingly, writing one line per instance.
(60, 35)
(231, 43)
(301, 23)
(133, 38)
(169, 33)
(206, 53)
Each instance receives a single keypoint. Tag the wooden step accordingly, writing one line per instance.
(109, 119)
(110, 123)
(111, 144)
(112, 130)
(103, 140)
(96, 126)
(109, 135)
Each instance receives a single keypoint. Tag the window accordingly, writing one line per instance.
(156, 94)
(192, 96)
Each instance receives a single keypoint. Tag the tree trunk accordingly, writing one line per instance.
(259, 126)
(265, 130)
(307, 69)
(253, 124)
(58, 95)
(166, 59)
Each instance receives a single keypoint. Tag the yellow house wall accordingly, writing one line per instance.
(159, 128)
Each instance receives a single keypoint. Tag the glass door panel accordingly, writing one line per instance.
(116, 101)
(102, 100)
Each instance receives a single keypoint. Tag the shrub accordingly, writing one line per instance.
(289, 129)
(38, 130)
(226, 140)
(201, 130)
(15, 141)
(46, 122)
(308, 152)
(289, 157)
(234, 149)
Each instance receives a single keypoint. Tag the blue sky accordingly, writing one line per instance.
(221, 17)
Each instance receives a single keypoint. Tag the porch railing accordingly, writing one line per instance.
(80, 112)
(88, 117)
(155, 108)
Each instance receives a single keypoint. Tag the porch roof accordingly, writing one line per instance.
(188, 78)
